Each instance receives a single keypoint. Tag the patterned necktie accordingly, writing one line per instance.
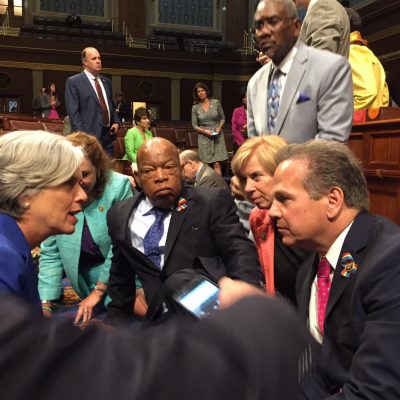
(151, 241)
(274, 95)
(104, 110)
(323, 286)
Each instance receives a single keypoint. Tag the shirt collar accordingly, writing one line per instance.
(198, 171)
(89, 75)
(146, 205)
(334, 251)
(287, 62)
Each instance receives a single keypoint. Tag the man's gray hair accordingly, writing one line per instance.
(190, 155)
(30, 161)
(330, 164)
(288, 5)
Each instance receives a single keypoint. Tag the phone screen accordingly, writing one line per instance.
(201, 299)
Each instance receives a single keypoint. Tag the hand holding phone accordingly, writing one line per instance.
(199, 296)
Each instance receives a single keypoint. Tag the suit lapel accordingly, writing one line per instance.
(201, 173)
(89, 87)
(261, 101)
(177, 219)
(124, 214)
(355, 242)
(290, 92)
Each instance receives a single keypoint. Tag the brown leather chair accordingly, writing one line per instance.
(119, 148)
(229, 144)
(191, 139)
(166, 133)
(26, 125)
(122, 166)
(180, 135)
(55, 127)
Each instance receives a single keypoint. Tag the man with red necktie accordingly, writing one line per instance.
(89, 101)
(348, 289)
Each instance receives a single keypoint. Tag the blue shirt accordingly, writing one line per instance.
(17, 271)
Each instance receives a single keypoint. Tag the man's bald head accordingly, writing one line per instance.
(157, 146)
(159, 172)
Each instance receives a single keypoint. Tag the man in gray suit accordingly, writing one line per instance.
(316, 90)
(325, 26)
(194, 171)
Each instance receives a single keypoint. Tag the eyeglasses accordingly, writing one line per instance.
(270, 22)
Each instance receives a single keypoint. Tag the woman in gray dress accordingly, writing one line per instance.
(208, 119)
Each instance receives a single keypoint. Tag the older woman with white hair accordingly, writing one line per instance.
(39, 197)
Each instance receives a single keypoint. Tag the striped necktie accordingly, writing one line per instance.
(274, 95)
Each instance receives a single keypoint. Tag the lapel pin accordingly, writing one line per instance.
(195, 228)
(182, 204)
(348, 264)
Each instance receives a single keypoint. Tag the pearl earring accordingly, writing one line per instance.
(26, 205)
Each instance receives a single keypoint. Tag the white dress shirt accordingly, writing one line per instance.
(139, 224)
(91, 78)
(333, 257)
(285, 66)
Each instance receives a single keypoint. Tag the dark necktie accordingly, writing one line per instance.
(323, 286)
(104, 110)
(274, 95)
(151, 241)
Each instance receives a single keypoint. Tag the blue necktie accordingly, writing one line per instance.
(274, 95)
(153, 236)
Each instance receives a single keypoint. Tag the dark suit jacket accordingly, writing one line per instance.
(206, 235)
(83, 105)
(208, 177)
(361, 346)
(224, 356)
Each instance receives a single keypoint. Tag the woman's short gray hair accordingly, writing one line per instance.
(30, 161)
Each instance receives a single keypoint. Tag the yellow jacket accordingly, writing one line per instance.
(369, 79)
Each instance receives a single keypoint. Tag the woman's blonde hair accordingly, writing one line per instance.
(264, 147)
(30, 161)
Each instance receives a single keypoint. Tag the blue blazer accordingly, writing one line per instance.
(83, 106)
(17, 272)
(61, 252)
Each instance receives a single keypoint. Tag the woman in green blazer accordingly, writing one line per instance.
(137, 135)
(84, 256)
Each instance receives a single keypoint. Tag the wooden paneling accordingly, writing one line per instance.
(20, 86)
(236, 15)
(377, 145)
(150, 90)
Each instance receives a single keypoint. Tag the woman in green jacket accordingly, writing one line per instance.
(137, 135)
(84, 256)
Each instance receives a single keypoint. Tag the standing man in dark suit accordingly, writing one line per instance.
(199, 230)
(88, 98)
(198, 173)
(348, 290)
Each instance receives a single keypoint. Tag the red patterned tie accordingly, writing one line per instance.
(104, 110)
(323, 285)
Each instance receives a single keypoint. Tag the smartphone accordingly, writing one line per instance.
(199, 296)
